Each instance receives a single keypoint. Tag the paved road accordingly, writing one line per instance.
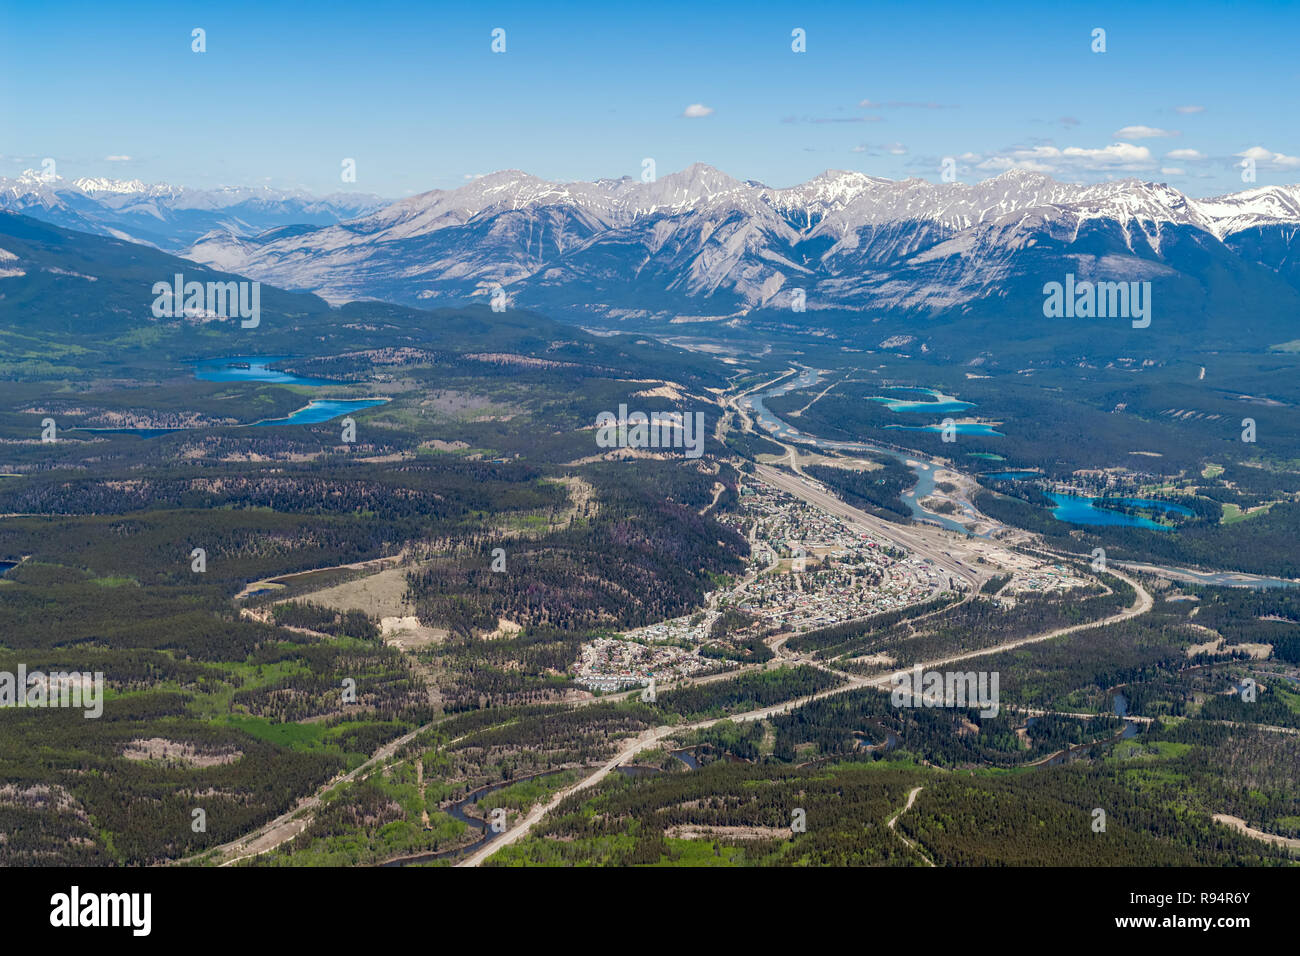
(904, 536)
(1140, 606)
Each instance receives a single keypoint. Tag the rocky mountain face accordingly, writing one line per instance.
(843, 250)
(699, 243)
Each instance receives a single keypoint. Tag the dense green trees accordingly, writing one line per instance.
(873, 491)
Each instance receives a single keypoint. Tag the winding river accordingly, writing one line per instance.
(925, 480)
(459, 810)
(923, 470)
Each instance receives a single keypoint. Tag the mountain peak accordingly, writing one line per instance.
(703, 179)
(844, 181)
(37, 178)
(105, 185)
(1024, 177)
(841, 175)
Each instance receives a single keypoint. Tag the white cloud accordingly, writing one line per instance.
(1189, 109)
(1269, 159)
(1191, 155)
(696, 110)
(117, 159)
(1050, 159)
(1172, 171)
(1145, 132)
(1040, 159)
(1122, 155)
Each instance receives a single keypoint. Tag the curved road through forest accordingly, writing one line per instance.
(1142, 604)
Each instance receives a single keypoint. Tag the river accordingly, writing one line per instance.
(458, 810)
(923, 470)
(925, 481)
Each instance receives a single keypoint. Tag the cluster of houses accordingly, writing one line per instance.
(608, 664)
(807, 570)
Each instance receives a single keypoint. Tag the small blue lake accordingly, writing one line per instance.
(250, 368)
(1084, 509)
(316, 412)
(1080, 509)
(940, 404)
(258, 369)
(960, 428)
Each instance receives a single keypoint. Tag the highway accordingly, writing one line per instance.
(1142, 603)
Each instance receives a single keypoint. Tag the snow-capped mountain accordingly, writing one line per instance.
(171, 217)
(699, 242)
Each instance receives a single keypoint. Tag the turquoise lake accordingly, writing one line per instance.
(961, 428)
(322, 411)
(940, 404)
(1080, 509)
(248, 368)
(1083, 509)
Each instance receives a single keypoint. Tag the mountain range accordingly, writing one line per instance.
(699, 245)
(77, 307)
(172, 217)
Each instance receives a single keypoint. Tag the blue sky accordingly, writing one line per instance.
(414, 94)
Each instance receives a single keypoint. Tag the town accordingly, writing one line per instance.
(807, 570)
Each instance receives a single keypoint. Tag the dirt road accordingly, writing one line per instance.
(1141, 605)
(911, 799)
(285, 827)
